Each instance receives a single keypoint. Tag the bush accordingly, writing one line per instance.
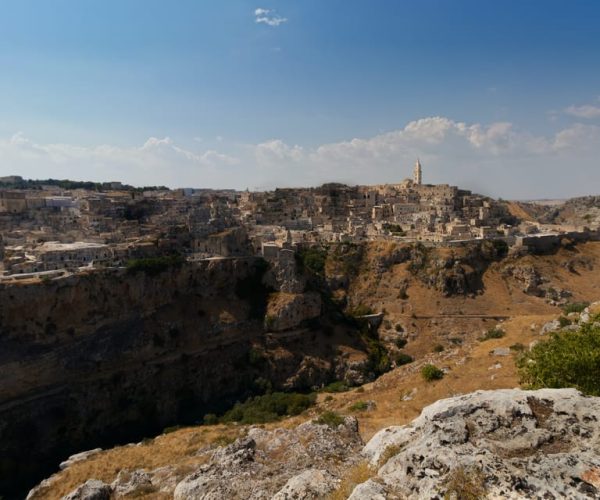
(268, 408)
(400, 343)
(313, 258)
(154, 265)
(563, 322)
(567, 359)
(337, 386)
(492, 333)
(359, 406)
(575, 307)
(402, 359)
(438, 348)
(330, 418)
(431, 372)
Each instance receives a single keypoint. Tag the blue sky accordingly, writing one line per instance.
(502, 97)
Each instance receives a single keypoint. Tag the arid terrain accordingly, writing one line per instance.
(441, 308)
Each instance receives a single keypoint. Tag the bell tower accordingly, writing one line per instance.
(417, 173)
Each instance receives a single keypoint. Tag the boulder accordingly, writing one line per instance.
(310, 484)
(507, 443)
(92, 489)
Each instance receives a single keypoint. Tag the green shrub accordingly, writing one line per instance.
(431, 372)
(438, 348)
(154, 265)
(359, 406)
(337, 386)
(313, 258)
(402, 359)
(378, 359)
(400, 343)
(562, 321)
(268, 408)
(330, 418)
(567, 359)
(575, 307)
(492, 333)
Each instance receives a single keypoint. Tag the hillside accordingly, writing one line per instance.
(440, 307)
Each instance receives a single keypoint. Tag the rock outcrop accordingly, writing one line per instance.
(495, 444)
(283, 464)
(506, 443)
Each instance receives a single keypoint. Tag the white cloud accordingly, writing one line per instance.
(268, 17)
(495, 158)
(157, 161)
(588, 111)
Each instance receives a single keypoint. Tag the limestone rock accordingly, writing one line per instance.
(134, 483)
(369, 490)
(79, 457)
(301, 463)
(93, 489)
(309, 484)
(514, 443)
(288, 310)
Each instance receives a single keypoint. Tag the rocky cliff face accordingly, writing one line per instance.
(98, 359)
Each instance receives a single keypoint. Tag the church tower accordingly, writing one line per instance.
(417, 173)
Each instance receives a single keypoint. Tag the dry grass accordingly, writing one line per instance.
(465, 483)
(357, 474)
(389, 452)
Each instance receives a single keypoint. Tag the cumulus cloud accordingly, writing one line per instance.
(268, 16)
(157, 161)
(587, 111)
(495, 158)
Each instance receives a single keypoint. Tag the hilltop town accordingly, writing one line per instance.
(52, 228)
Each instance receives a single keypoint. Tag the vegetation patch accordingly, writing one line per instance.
(402, 359)
(268, 408)
(356, 475)
(492, 333)
(154, 265)
(431, 372)
(575, 307)
(313, 259)
(337, 386)
(465, 483)
(330, 418)
(567, 359)
(359, 406)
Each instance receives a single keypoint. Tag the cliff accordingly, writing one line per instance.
(104, 358)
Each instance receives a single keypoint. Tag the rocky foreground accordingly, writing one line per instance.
(495, 444)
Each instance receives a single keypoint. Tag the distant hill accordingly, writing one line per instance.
(17, 182)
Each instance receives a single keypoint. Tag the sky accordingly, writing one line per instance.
(501, 97)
